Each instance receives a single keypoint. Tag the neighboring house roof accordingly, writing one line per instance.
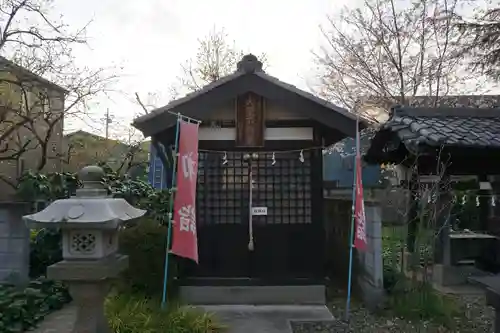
(249, 76)
(9, 65)
(82, 133)
(88, 148)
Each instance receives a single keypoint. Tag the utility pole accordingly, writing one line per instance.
(108, 121)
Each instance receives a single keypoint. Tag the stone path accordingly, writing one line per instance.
(265, 318)
(61, 321)
(238, 318)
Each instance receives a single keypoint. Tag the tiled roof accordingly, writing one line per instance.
(461, 127)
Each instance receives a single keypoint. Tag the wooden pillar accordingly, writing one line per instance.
(317, 200)
(412, 216)
(442, 220)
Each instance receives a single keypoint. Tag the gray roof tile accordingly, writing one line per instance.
(465, 127)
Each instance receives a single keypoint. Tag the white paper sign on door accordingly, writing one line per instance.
(259, 210)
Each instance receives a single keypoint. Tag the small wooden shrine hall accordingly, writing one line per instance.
(253, 121)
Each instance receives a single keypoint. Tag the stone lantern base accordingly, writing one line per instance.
(89, 283)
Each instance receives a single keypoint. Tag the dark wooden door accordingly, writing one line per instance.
(286, 241)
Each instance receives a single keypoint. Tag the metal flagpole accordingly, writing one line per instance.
(351, 235)
(171, 208)
(175, 152)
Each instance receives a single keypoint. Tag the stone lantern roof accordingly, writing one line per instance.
(90, 208)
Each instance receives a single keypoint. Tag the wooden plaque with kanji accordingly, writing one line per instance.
(250, 120)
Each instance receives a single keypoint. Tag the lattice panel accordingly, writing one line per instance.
(84, 243)
(284, 188)
(222, 190)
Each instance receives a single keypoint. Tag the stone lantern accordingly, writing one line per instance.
(89, 223)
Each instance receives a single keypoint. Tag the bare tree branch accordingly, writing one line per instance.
(216, 57)
(390, 52)
(32, 107)
(481, 33)
(138, 99)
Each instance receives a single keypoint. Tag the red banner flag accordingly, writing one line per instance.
(359, 210)
(185, 242)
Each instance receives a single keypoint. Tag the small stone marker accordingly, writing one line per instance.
(371, 278)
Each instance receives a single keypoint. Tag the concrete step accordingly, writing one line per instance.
(268, 318)
(253, 295)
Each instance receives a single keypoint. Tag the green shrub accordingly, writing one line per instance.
(420, 301)
(391, 277)
(128, 313)
(22, 308)
(45, 250)
(145, 245)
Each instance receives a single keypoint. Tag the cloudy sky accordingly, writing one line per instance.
(151, 38)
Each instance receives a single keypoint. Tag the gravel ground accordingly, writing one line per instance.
(478, 318)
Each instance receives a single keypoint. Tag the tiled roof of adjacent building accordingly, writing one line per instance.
(464, 120)
(458, 122)
(465, 127)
